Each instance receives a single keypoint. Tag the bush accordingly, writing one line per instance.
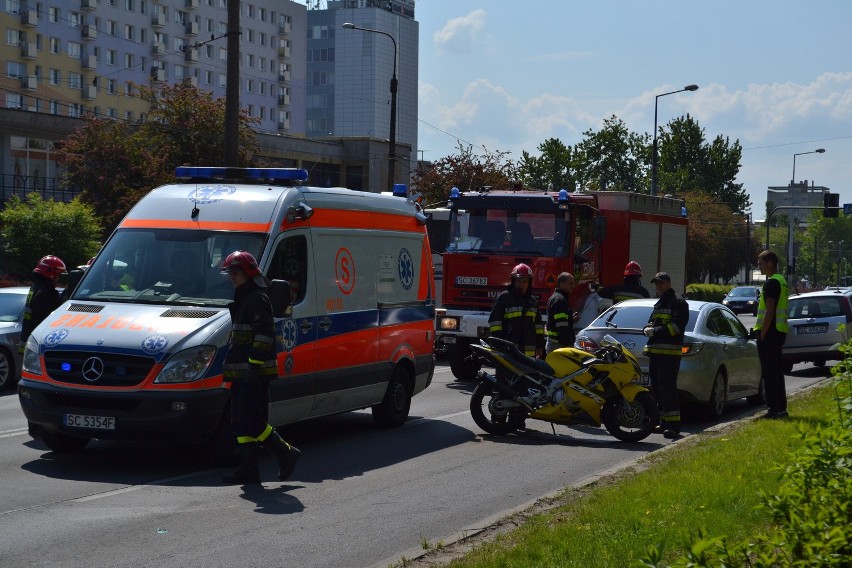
(708, 292)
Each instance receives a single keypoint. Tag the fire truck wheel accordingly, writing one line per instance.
(61, 443)
(464, 366)
(393, 410)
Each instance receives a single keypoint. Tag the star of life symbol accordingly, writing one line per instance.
(206, 194)
(154, 344)
(55, 337)
(288, 364)
(289, 334)
(406, 269)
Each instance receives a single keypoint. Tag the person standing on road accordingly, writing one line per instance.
(631, 289)
(665, 331)
(771, 327)
(249, 366)
(43, 296)
(515, 316)
(560, 317)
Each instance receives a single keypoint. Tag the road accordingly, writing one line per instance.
(360, 496)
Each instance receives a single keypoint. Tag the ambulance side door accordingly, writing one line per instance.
(292, 394)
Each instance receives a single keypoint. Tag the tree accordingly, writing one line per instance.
(551, 170)
(34, 227)
(613, 158)
(464, 170)
(116, 163)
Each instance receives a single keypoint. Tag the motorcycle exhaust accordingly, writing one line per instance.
(505, 390)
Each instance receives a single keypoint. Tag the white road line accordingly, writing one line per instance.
(144, 485)
(11, 433)
(425, 420)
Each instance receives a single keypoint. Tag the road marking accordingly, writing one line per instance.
(15, 432)
(144, 485)
(424, 420)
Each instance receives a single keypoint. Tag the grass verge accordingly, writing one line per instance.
(710, 481)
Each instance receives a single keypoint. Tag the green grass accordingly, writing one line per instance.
(711, 482)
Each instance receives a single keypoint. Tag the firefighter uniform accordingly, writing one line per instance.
(560, 321)
(42, 299)
(515, 317)
(628, 291)
(664, 350)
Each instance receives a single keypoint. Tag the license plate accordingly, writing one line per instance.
(86, 421)
(811, 329)
(645, 380)
(472, 280)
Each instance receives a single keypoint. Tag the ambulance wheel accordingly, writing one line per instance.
(393, 410)
(62, 443)
(462, 363)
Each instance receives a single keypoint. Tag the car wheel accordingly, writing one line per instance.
(488, 411)
(718, 395)
(464, 366)
(393, 410)
(758, 399)
(62, 443)
(7, 370)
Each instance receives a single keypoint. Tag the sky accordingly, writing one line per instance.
(774, 75)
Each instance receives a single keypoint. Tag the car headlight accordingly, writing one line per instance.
(31, 362)
(187, 366)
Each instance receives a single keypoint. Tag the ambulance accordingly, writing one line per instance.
(136, 352)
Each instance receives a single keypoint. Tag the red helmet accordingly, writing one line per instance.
(522, 271)
(632, 268)
(50, 266)
(242, 260)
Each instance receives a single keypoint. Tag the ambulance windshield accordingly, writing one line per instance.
(165, 266)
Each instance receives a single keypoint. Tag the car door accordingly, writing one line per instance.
(742, 353)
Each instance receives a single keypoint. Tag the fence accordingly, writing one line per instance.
(49, 188)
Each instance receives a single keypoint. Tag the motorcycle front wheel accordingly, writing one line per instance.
(630, 421)
(488, 408)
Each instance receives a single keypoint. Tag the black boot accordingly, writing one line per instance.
(286, 454)
(247, 473)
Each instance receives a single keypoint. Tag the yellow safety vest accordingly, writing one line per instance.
(780, 307)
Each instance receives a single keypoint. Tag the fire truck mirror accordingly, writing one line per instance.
(599, 229)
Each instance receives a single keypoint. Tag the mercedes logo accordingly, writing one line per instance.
(93, 369)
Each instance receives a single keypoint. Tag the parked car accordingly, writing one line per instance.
(743, 299)
(12, 301)
(719, 364)
(814, 322)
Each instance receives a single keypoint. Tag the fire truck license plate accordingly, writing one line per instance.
(94, 422)
(472, 280)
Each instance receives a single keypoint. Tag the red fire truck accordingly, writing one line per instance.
(591, 235)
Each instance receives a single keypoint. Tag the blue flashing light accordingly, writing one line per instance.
(253, 174)
(563, 195)
(66, 367)
(683, 210)
(400, 190)
(454, 193)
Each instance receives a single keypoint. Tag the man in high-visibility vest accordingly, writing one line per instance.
(771, 327)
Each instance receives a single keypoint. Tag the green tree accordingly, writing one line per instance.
(33, 227)
(551, 170)
(613, 158)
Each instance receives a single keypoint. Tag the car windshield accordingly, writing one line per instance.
(635, 317)
(742, 292)
(816, 307)
(165, 266)
(11, 306)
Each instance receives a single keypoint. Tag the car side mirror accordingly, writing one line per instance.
(279, 295)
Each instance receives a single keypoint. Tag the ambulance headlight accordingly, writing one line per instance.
(187, 366)
(31, 362)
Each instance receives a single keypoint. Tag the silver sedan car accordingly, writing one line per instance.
(12, 301)
(719, 364)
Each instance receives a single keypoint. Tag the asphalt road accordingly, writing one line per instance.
(360, 496)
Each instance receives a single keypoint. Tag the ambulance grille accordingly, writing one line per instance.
(96, 368)
(188, 314)
(88, 308)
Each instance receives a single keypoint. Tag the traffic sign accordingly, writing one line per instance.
(847, 208)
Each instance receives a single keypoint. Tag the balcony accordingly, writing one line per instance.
(284, 77)
(29, 18)
(158, 48)
(90, 61)
(89, 4)
(192, 28)
(30, 82)
(283, 100)
(284, 124)
(90, 92)
(158, 74)
(191, 54)
(90, 32)
(191, 80)
(285, 27)
(158, 20)
(29, 50)
(192, 4)
(284, 51)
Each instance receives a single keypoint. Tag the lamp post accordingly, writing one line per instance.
(393, 89)
(654, 155)
(792, 203)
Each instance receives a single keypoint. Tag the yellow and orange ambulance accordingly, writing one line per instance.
(137, 350)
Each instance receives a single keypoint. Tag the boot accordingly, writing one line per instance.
(286, 454)
(247, 473)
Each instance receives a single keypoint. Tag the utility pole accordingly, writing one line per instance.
(232, 88)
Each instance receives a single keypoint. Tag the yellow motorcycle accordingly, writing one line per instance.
(569, 386)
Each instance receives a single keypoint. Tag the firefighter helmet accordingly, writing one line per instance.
(242, 260)
(522, 271)
(632, 268)
(50, 266)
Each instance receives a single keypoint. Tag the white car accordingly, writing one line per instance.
(12, 302)
(815, 331)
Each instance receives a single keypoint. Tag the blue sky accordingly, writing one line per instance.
(775, 75)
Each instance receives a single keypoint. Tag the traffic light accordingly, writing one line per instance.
(831, 204)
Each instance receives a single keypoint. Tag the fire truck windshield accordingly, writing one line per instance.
(507, 231)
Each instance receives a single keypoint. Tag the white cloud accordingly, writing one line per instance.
(458, 34)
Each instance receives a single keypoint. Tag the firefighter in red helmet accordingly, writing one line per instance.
(630, 290)
(515, 316)
(249, 366)
(43, 296)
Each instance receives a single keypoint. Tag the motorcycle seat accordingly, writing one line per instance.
(512, 349)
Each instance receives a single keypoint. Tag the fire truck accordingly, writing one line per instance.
(591, 235)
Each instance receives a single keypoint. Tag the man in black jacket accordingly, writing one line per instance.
(249, 366)
(631, 289)
(665, 330)
(515, 316)
(43, 296)
(560, 316)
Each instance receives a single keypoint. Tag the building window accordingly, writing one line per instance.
(55, 45)
(53, 15)
(129, 32)
(75, 81)
(14, 100)
(73, 50)
(54, 77)
(129, 61)
(111, 86)
(13, 37)
(73, 19)
(110, 27)
(15, 69)
(110, 57)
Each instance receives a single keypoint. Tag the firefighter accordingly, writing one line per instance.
(249, 366)
(560, 317)
(664, 331)
(43, 296)
(630, 290)
(515, 315)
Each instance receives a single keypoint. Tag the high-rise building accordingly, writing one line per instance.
(349, 75)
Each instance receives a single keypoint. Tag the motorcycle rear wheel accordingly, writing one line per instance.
(630, 421)
(485, 411)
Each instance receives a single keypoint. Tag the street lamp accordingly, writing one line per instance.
(654, 155)
(393, 89)
(817, 151)
(792, 203)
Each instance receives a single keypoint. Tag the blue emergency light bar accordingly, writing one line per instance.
(253, 174)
